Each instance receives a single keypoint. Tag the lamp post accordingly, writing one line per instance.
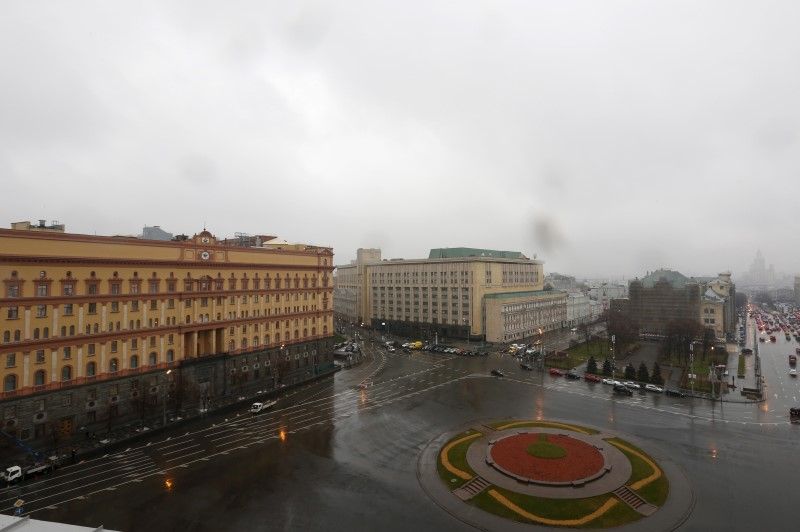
(165, 395)
(466, 322)
(613, 356)
(691, 366)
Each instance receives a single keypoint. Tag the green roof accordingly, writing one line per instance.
(527, 293)
(676, 279)
(456, 253)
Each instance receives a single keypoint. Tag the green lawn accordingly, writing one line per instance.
(556, 508)
(458, 458)
(656, 492)
(544, 449)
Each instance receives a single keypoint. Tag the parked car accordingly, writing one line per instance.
(631, 385)
(573, 375)
(497, 373)
(674, 393)
(592, 378)
(556, 372)
(526, 367)
(622, 390)
(608, 381)
(653, 388)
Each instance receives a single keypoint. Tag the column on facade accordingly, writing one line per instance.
(79, 368)
(27, 312)
(195, 350)
(26, 369)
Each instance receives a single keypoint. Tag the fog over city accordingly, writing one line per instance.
(607, 138)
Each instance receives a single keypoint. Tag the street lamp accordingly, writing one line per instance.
(165, 395)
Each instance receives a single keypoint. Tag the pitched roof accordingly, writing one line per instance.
(676, 279)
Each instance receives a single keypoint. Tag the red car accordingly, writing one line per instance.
(592, 378)
(556, 372)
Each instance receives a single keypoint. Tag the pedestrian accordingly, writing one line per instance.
(74, 454)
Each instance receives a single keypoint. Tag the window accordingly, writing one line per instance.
(12, 289)
(115, 306)
(42, 289)
(13, 313)
(90, 349)
(153, 359)
(134, 343)
(134, 306)
(91, 289)
(153, 304)
(67, 353)
(41, 311)
(170, 339)
(170, 355)
(153, 287)
(40, 356)
(39, 378)
(134, 361)
(91, 369)
(68, 288)
(11, 360)
(116, 288)
(187, 303)
(92, 308)
(10, 383)
(170, 303)
(66, 373)
(68, 309)
(114, 346)
(171, 286)
(113, 365)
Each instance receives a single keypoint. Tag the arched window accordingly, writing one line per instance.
(278, 336)
(91, 369)
(6, 336)
(63, 331)
(88, 329)
(17, 335)
(46, 332)
(10, 383)
(324, 329)
(134, 361)
(96, 328)
(153, 359)
(39, 378)
(170, 355)
(266, 339)
(305, 333)
(313, 331)
(113, 365)
(232, 345)
(255, 341)
(72, 330)
(36, 333)
(296, 334)
(244, 343)
(66, 373)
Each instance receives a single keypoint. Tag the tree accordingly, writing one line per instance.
(643, 375)
(591, 365)
(709, 337)
(630, 372)
(607, 368)
(655, 376)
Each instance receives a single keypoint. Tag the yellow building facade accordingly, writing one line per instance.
(78, 309)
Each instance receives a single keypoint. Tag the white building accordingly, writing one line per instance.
(578, 309)
(603, 293)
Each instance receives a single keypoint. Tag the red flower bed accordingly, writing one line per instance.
(581, 460)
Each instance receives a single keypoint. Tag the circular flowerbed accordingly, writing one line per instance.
(546, 457)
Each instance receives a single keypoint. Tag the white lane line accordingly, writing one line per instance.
(181, 449)
(184, 456)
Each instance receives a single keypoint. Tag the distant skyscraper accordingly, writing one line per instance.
(155, 233)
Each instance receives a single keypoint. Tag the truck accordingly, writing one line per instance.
(17, 473)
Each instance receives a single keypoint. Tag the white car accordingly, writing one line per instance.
(653, 388)
(631, 385)
(255, 408)
(608, 381)
(793, 372)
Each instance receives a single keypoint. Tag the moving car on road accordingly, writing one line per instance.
(620, 389)
(674, 393)
(631, 385)
(793, 372)
(497, 373)
(255, 408)
(526, 367)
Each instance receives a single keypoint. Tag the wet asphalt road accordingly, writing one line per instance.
(333, 456)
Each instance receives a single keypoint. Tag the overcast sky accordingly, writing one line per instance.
(607, 138)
